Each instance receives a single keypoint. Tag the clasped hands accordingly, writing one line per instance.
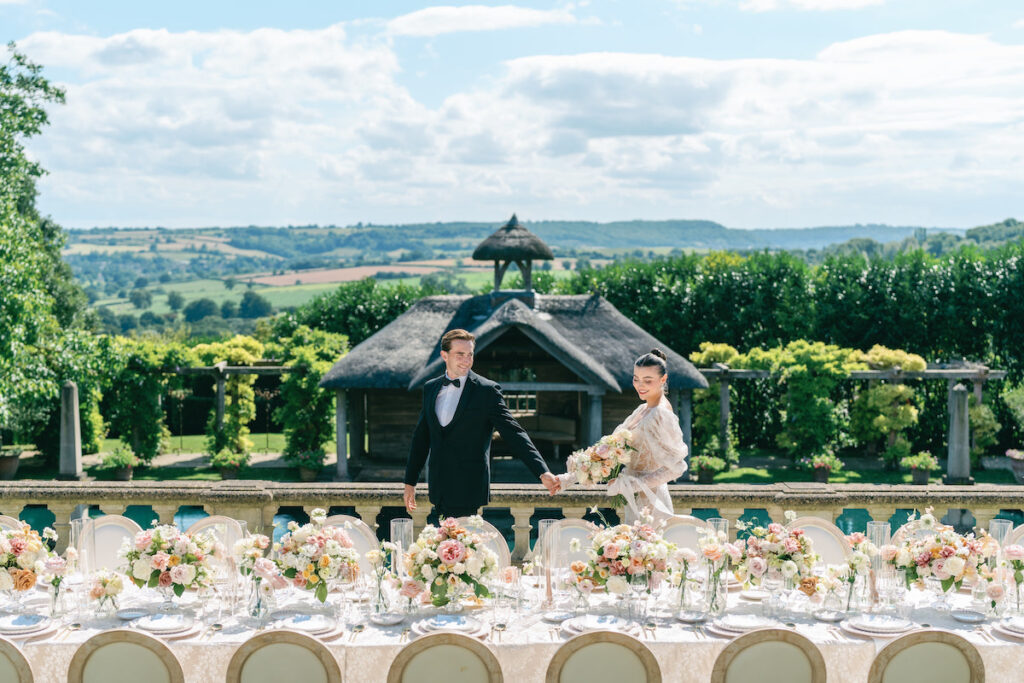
(550, 482)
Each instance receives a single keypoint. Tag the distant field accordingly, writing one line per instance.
(337, 275)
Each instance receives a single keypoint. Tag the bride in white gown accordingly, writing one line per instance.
(660, 455)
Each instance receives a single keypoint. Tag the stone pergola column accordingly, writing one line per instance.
(958, 466)
(341, 435)
(594, 419)
(70, 433)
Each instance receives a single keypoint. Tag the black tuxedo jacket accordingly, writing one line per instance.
(458, 455)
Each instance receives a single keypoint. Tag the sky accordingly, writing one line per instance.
(752, 113)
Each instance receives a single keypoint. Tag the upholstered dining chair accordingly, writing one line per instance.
(363, 538)
(282, 655)
(124, 656)
(102, 538)
(231, 529)
(9, 523)
(1015, 537)
(826, 539)
(495, 541)
(788, 655)
(14, 668)
(561, 534)
(603, 656)
(913, 529)
(684, 531)
(445, 658)
(934, 656)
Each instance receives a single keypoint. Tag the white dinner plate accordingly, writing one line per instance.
(556, 616)
(741, 623)
(419, 629)
(450, 622)
(1015, 624)
(304, 622)
(161, 623)
(1000, 628)
(853, 630)
(597, 622)
(754, 594)
(967, 616)
(129, 613)
(386, 618)
(880, 623)
(692, 617)
(18, 624)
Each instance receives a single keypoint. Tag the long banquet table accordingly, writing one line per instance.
(524, 650)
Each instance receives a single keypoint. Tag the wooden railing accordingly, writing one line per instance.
(257, 502)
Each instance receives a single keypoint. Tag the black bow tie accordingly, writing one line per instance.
(445, 381)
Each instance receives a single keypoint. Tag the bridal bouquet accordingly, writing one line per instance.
(603, 461)
(774, 547)
(621, 555)
(449, 557)
(166, 557)
(313, 554)
(947, 556)
(23, 554)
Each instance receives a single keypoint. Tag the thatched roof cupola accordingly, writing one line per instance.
(512, 243)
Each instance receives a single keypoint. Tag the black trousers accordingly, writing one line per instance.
(437, 513)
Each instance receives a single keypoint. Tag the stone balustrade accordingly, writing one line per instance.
(257, 502)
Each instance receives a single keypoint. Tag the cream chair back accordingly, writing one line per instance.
(494, 540)
(933, 656)
(101, 540)
(445, 658)
(788, 655)
(123, 656)
(684, 531)
(219, 524)
(14, 668)
(561, 535)
(283, 656)
(603, 657)
(826, 539)
(9, 523)
(1015, 537)
(363, 538)
(913, 530)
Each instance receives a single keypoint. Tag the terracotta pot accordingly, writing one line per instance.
(705, 476)
(228, 472)
(308, 474)
(9, 466)
(821, 474)
(123, 474)
(919, 476)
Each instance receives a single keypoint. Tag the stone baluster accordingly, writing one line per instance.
(883, 513)
(419, 519)
(368, 513)
(252, 516)
(109, 508)
(267, 517)
(574, 512)
(521, 528)
(733, 515)
(165, 513)
(984, 515)
(62, 523)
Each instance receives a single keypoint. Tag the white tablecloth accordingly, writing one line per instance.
(526, 648)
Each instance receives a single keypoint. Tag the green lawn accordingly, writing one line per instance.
(196, 443)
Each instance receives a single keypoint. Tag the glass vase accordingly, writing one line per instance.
(381, 599)
(58, 601)
(259, 602)
(714, 591)
(454, 597)
(941, 603)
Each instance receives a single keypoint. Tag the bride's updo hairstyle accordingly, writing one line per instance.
(655, 358)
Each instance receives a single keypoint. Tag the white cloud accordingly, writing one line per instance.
(434, 21)
(813, 5)
(1019, 23)
(276, 126)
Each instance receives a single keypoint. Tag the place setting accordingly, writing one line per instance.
(450, 623)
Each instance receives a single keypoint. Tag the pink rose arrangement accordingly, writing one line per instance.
(23, 557)
(773, 547)
(313, 554)
(448, 557)
(944, 555)
(104, 587)
(623, 554)
(166, 557)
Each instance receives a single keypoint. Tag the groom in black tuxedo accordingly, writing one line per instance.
(460, 412)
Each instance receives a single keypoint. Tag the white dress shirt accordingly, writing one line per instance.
(448, 400)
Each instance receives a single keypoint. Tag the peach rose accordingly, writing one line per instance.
(24, 579)
(712, 552)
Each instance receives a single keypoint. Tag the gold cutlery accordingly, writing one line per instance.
(650, 628)
(405, 635)
(356, 630)
(500, 628)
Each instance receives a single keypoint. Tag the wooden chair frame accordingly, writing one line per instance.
(419, 645)
(122, 635)
(1015, 537)
(881, 662)
(200, 525)
(21, 665)
(10, 523)
(246, 649)
(577, 643)
(684, 520)
(93, 524)
(824, 525)
(765, 635)
(567, 523)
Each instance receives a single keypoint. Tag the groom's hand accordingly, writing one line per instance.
(550, 482)
(410, 497)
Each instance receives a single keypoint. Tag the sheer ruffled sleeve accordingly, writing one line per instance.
(663, 441)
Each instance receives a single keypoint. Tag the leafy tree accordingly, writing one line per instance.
(141, 282)
(175, 301)
(229, 283)
(228, 309)
(239, 397)
(254, 306)
(141, 298)
(199, 309)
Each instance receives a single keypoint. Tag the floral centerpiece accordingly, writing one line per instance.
(104, 588)
(681, 562)
(621, 555)
(449, 557)
(717, 552)
(602, 462)
(55, 569)
(167, 558)
(858, 564)
(23, 555)
(381, 567)
(1013, 556)
(945, 556)
(311, 555)
(263, 574)
(774, 547)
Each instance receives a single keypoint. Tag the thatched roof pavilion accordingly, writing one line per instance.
(565, 363)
